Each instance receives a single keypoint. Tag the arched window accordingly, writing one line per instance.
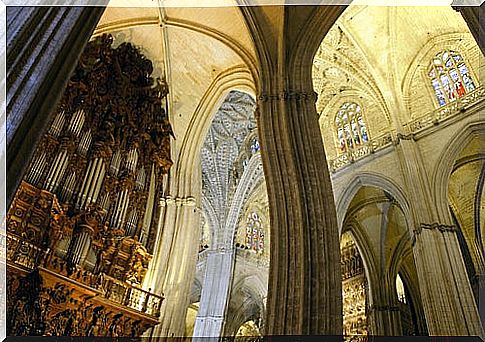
(449, 76)
(401, 296)
(351, 128)
(255, 145)
(254, 232)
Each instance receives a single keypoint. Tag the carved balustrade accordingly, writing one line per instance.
(83, 220)
(431, 119)
(450, 110)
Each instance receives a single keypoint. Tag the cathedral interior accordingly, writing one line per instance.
(244, 171)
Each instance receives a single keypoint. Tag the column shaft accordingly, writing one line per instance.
(445, 289)
(474, 16)
(215, 294)
(304, 294)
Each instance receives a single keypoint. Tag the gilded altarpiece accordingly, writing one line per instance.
(354, 291)
(81, 229)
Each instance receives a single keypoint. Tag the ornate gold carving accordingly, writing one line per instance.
(353, 291)
(82, 259)
(42, 303)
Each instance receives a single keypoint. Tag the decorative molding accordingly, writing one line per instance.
(383, 308)
(178, 201)
(412, 128)
(363, 151)
(433, 226)
(458, 107)
(285, 96)
(400, 136)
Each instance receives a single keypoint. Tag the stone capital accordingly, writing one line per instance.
(383, 308)
(288, 96)
(432, 226)
(178, 201)
(400, 136)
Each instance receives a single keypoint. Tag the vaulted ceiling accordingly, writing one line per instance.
(232, 123)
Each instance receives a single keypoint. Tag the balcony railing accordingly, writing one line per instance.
(352, 155)
(23, 253)
(131, 296)
(28, 256)
(445, 112)
(433, 118)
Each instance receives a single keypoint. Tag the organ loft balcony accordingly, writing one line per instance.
(102, 298)
(82, 226)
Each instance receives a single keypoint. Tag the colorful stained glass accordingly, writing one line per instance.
(445, 55)
(340, 135)
(348, 138)
(351, 128)
(363, 130)
(454, 79)
(254, 239)
(468, 83)
(255, 145)
(457, 58)
(261, 240)
(441, 97)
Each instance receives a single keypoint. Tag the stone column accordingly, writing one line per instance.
(174, 263)
(474, 16)
(384, 317)
(304, 294)
(446, 293)
(481, 295)
(384, 320)
(43, 46)
(215, 293)
(305, 282)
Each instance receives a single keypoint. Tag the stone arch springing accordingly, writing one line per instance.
(381, 270)
(237, 78)
(376, 180)
(445, 163)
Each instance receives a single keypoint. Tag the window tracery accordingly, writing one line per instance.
(351, 127)
(252, 237)
(255, 145)
(450, 77)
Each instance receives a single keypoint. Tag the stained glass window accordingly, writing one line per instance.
(351, 128)
(449, 76)
(254, 238)
(255, 145)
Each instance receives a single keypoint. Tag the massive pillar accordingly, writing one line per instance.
(43, 46)
(384, 317)
(474, 16)
(304, 294)
(173, 264)
(445, 289)
(215, 293)
(305, 284)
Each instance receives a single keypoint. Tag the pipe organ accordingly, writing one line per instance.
(81, 228)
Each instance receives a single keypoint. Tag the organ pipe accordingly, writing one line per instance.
(102, 160)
